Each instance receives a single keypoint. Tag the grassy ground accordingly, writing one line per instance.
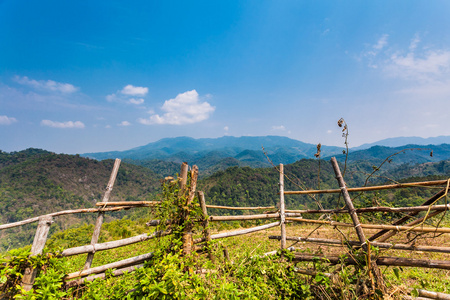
(400, 280)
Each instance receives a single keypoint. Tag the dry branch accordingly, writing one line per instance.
(371, 188)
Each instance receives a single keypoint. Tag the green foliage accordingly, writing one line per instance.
(48, 282)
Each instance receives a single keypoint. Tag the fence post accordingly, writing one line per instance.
(206, 230)
(38, 245)
(373, 267)
(187, 232)
(99, 222)
(282, 209)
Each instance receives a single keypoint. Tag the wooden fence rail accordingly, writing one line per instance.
(282, 216)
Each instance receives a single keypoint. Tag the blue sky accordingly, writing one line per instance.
(88, 76)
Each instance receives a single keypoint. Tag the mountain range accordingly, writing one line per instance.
(214, 154)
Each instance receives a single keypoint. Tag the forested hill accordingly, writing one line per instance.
(35, 182)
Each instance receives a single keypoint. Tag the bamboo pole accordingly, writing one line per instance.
(60, 213)
(371, 188)
(382, 261)
(433, 295)
(244, 217)
(114, 244)
(117, 272)
(128, 203)
(99, 222)
(38, 245)
(415, 209)
(371, 226)
(402, 220)
(376, 244)
(239, 208)
(118, 264)
(391, 233)
(357, 225)
(206, 230)
(244, 231)
(282, 209)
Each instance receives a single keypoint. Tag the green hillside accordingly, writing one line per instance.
(35, 182)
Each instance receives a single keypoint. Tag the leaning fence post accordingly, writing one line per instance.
(362, 239)
(38, 245)
(206, 230)
(282, 209)
(99, 222)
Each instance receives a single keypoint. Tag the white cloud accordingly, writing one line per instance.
(185, 108)
(68, 124)
(5, 120)
(226, 128)
(278, 128)
(124, 123)
(48, 85)
(136, 101)
(134, 90)
(126, 95)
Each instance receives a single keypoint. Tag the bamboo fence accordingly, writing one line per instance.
(281, 217)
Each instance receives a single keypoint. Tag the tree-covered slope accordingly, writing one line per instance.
(35, 182)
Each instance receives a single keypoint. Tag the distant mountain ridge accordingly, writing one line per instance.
(214, 154)
(245, 151)
(411, 140)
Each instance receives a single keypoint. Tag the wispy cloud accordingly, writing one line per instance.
(185, 108)
(415, 63)
(278, 128)
(68, 124)
(5, 120)
(124, 123)
(46, 85)
(136, 101)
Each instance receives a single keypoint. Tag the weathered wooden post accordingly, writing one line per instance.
(373, 267)
(187, 233)
(99, 222)
(282, 209)
(206, 230)
(38, 245)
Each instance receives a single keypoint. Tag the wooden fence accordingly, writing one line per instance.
(281, 215)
